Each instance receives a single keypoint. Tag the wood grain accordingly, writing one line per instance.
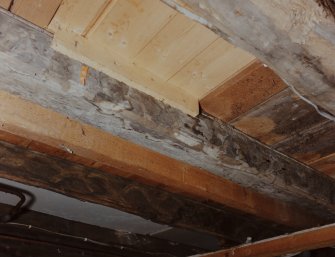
(39, 12)
(217, 63)
(311, 144)
(149, 46)
(247, 89)
(39, 124)
(282, 116)
(325, 164)
(5, 4)
(100, 186)
(174, 46)
(301, 241)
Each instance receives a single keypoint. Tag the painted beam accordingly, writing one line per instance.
(279, 246)
(32, 70)
(295, 38)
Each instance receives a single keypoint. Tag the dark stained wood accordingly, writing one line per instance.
(325, 164)
(39, 12)
(247, 89)
(301, 52)
(282, 116)
(312, 144)
(42, 76)
(18, 247)
(53, 229)
(301, 241)
(152, 203)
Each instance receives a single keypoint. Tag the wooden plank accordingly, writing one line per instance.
(282, 116)
(39, 12)
(174, 46)
(130, 25)
(325, 164)
(53, 81)
(247, 89)
(75, 15)
(100, 186)
(297, 242)
(33, 225)
(219, 62)
(300, 52)
(5, 4)
(311, 144)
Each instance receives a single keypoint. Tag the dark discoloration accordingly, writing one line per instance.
(131, 244)
(92, 185)
(284, 115)
(312, 144)
(328, 5)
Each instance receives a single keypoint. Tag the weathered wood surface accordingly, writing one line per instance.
(88, 184)
(247, 89)
(295, 38)
(279, 246)
(312, 144)
(49, 228)
(326, 165)
(283, 116)
(31, 69)
(92, 147)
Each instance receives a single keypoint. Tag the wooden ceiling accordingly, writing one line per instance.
(183, 63)
(153, 48)
(149, 46)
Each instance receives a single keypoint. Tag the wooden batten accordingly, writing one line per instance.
(279, 246)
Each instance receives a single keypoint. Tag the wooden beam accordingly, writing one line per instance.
(302, 53)
(297, 242)
(100, 149)
(101, 187)
(32, 70)
(43, 227)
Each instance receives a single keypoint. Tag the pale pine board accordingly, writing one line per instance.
(39, 12)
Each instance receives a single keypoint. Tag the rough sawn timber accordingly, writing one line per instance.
(295, 38)
(311, 239)
(128, 195)
(31, 69)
